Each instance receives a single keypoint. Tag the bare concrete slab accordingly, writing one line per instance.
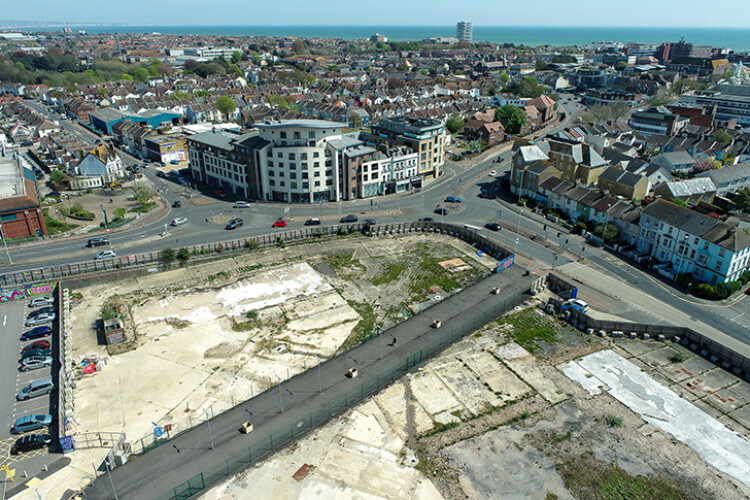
(742, 415)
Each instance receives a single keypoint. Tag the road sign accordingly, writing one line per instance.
(499, 214)
(158, 432)
(516, 240)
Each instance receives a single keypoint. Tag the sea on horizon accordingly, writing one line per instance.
(737, 39)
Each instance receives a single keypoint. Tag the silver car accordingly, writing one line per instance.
(42, 301)
(41, 318)
(35, 362)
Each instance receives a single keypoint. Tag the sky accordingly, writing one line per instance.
(594, 13)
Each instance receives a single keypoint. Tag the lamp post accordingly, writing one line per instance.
(518, 229)
(682, 258)
(281, 398)
(606, 221)
(106, 226)
(320, 385)
(208, 421)
(106, 464)
(2, 233)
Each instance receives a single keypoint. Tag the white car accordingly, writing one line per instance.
(241, 204)
(107, 254)
(178, 221)
(42, 301)
(493, 173)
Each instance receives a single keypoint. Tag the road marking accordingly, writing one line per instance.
(5, 319)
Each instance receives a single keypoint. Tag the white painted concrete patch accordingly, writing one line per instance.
(720, 447)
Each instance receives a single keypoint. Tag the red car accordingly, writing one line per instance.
(279, 223)
(220, 193)
(39, 344)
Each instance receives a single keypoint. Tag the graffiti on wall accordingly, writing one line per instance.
(27, 291)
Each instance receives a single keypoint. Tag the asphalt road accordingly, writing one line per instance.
(156, 474)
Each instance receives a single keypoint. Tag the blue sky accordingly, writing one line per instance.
(679, 13)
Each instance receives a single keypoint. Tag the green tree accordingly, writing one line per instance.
(236, 56)
(179, 94)
(202, 93)
(742, 199)
(541, 65)
(141, 75)
(168, 255)
(119, 212)
(454, 123)
(513, 118)
(225, 105)
(299, 47)
(475, 146)
(184, 254)
(621, 65)
(235, 70)
(722, 135)
(504, 78)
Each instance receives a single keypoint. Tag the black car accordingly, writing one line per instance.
(33, 353)
(97, 242)
(426, 219)
(30, 442)
(370, 222)
(349, 218)
(234, 224)
(176, 204)
(161, 174)
(42, 310)
(441, 211)
(312, 222)
(492, 226)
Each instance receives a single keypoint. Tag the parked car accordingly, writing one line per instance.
(578, 305)
(161, 174)
(30, 442)
(37, 344)
(370, 222)
(453, 199)
(42, 301)
(37, 333)
(176, 204)
(162, 164)
(312, 222)
(34, 363)
(241, 204)
(426, 219)
(42, 318)
(493, 173)
(106, 254)
(34, 352)
(36, 388)
(174, 162)
(279, 223)
(234, 224)
(97, 242)
(43, 310)
(178, 221)
(29, 423)
(441, 211)
(220, 193)
(492, 226)
(349, 218)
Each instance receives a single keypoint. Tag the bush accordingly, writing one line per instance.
(280, 242)
(183, 254)
(168, 255)
(579, 227)
(251, 244)
(745, 277)
(613, 421)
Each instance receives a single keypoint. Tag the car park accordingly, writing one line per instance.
(234, 224)
(453, 199)
(34, 363)
(42, 301)
(312, 222)
(97, 242)
(176, 204)
(30, 442)
(106, 254)
(492, 226)
(42, 318)
(178, 221)
(37, 344)
(279, 223)
(37, 333)
(30, 423)
(35, 389)
(348, 219)
(241, 204)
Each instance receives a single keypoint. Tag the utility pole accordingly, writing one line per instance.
(320, 384)
(106, 464)
(2, 233)
(208, 421)
(106, 226)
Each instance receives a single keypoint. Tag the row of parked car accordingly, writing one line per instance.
(36, 353)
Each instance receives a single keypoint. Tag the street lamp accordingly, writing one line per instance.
(106, 226)
(2, 233)
(518, 229)
(106, 464)
(606, 221)
(682, 258)
(208, 421)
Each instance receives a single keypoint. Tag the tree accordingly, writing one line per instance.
(184, 254)
(617, 111)
(141, 75)
(119, 212)
(236, 57)
(475, 146)
(298, 47)
(722, 135)
(621, 65)
(202, 93)
(142, 194)
(541, 65)
(742, 199)
(504, 78)
(355, 121)
(225, 105)
(167, 255)
(513, 118)
(454, 123)
(705, 165)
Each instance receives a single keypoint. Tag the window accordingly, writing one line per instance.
(705, 245)
(291, 156)
(279, 154)
(281, 174)
(722, 252)
(292, 166)
(293, 175)
(304, 175)
(311, 134)
(329, 182)
(297, 135)
(317, 183)
(303, 156)
(272, 183)
(304, 165)
(8, 218)
(283, 135)
(281, 184)
(305, 185)
(316, 164)
(316, 174)
(293, 185)
(316, 154)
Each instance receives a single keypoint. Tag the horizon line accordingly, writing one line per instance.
(93, 23)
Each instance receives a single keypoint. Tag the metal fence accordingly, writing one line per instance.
(210, 250)
(429, 346)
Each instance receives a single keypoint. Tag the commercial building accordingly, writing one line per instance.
(425, 136)
(670, 51)
(377, 37)
(166, 148)
(20, 211)
(103, 119)
(731, 101)
(657, 120)
(211, 52)
(464, 31)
